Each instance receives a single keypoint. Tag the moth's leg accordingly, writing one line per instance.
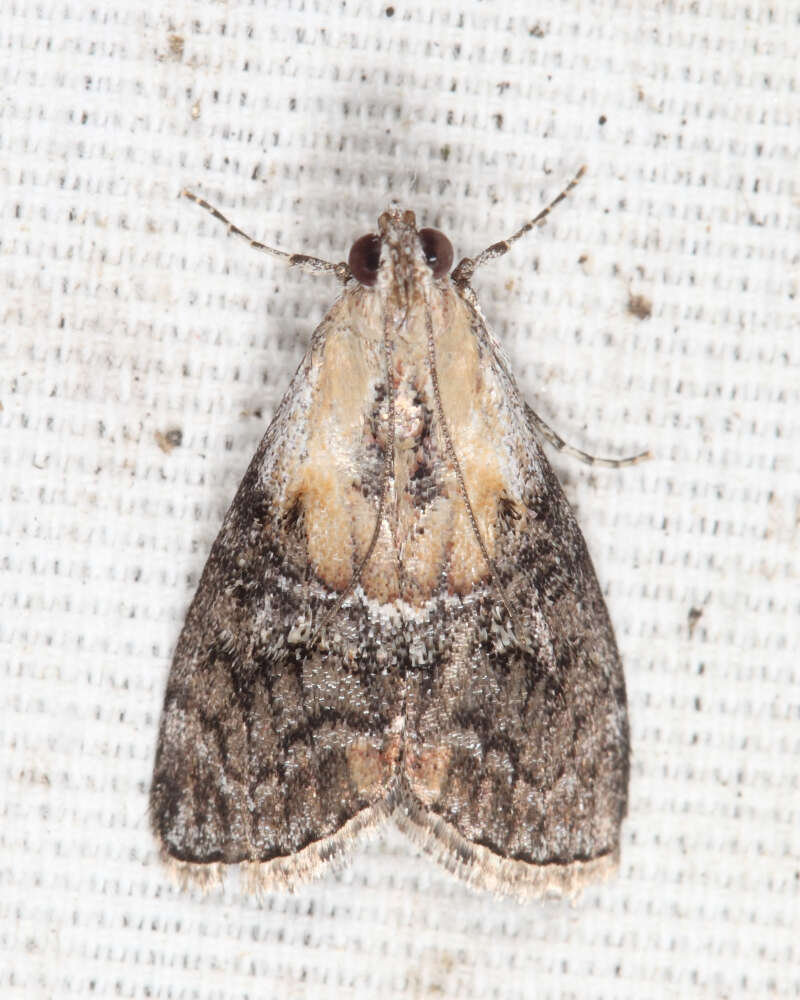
(559, 444)
(469, 265)
(312, 264)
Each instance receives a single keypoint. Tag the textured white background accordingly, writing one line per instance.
(126, 313)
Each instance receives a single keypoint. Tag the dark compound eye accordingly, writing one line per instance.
(438, 251)
(365, 256)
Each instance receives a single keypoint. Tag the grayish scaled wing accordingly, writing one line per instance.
(517, 766)
(270, 752)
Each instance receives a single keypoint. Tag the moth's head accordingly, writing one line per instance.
(399, 255)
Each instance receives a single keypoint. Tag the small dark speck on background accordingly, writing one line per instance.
(640, 306)
(694, 616)
(176, 46)
(169, 439)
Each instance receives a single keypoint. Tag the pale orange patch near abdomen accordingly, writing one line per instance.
(426, 770)
(372, 767)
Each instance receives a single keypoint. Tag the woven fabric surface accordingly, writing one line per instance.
(142, 353)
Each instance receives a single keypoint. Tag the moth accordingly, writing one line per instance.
(399, 618)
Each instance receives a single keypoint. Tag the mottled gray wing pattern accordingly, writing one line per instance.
(518, 734)
(270, 751)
